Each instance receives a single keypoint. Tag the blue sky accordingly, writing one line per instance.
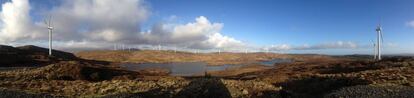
(300, 22)
(296, 23)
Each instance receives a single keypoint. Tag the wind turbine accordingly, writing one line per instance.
(114, 46)
(175, 49)
(379, 41)
(159, 47)
(50, 29)
(267, 50)
(375, 50)
(219, 51)
(195, 51)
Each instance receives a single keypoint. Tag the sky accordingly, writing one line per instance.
(283, 26)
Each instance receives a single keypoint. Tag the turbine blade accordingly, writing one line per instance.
(45, 21)
(382, 39)
(50, 19)
(380, 21)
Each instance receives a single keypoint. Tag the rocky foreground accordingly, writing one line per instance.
(94, 83)
(310, 76)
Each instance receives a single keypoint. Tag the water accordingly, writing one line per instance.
(192, 68)
(275, 61)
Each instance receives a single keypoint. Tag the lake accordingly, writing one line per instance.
(193, 68)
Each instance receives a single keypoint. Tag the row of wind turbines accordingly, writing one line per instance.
(377, 45)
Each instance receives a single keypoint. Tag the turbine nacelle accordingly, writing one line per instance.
(379, 28)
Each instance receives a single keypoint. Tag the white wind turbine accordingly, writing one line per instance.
(219, 51)
(379, 41)
(115, 47)
(175, 48)
(50, 29)
(159, 45)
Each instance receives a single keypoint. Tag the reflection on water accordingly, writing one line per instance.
(192, 68)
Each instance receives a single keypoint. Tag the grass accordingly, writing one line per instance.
(149, 56)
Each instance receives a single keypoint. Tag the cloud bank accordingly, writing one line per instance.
(200, 34)
(329, 45)
(101, 24)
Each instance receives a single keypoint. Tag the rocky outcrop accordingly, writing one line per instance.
(69, 71)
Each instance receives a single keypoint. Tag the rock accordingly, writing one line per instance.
(405, 64)
(411, 63)
(409, 84)
(245, 92)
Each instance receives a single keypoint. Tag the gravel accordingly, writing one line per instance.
(369, 91)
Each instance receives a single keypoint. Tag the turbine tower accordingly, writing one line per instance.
(375, 51)
(50, 28)
(379, 41)
(219, 50)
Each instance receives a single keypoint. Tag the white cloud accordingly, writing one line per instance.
(200, 34)
(97, 24)
(329, 45)
(279, 47)
(332, 45)
(102, 23)
(16, 22)
(410, 24)
(100, 20)
(75, 20)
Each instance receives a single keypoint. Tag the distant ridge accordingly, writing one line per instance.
(30, 55)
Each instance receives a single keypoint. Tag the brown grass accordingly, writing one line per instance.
(149, 56)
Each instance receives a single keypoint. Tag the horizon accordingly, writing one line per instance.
(296, 27)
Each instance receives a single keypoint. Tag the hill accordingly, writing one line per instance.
(30, 55)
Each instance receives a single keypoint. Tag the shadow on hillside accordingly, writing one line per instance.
(197, 88)
(155, 93)
(204, 88)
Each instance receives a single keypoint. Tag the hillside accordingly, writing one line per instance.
(310, 76)
(150, 56)
(30, 55)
